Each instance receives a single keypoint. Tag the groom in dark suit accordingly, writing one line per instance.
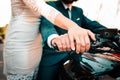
(51, 59)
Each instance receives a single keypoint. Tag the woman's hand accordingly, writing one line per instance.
(80, 39)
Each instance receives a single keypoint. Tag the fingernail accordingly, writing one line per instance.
(77, 52)
(73, 48)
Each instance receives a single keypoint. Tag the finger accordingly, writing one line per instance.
(63, 42)
(68, 48)
(92, 35)
(71, 38)
(78, 45)
(87, 43)
(82, 44)
(58, 44)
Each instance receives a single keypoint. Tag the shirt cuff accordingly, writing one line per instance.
(50, 38)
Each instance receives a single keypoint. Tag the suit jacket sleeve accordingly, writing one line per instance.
(94, 26)
(46, 29)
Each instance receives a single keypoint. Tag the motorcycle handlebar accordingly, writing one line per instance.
(106, 38)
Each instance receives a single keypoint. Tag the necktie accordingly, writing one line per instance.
(69, 12)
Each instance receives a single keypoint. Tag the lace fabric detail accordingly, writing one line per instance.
(38, 7)
(17, 7)
(30, 76)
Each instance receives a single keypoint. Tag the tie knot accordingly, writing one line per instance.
(67, 9)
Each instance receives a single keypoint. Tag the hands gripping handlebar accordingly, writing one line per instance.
(109, 38)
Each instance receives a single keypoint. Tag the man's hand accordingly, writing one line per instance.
(80, 39)
(62, 42)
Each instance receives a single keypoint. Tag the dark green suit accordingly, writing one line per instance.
(51, 59)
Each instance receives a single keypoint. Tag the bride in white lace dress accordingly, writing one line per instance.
(22, 47)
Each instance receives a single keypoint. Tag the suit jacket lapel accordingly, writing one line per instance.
(76, 16)
(62, 9)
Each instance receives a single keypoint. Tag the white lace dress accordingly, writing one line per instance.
(22, 48)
